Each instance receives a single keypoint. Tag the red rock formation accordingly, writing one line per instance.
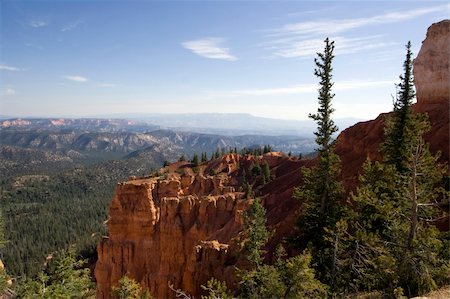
(169, 230)
(432, 80)
(432, 65)
(183, 228)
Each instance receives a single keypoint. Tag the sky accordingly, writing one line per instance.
(85, 58)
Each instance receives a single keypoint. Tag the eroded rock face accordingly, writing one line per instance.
(432, 65)
(170, 230)
(183, 227)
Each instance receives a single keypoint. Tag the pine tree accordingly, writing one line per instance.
(394, 243)
(321, 190)
(287, 278)
(216, 290)
(194, 160)
(328, 164)
(258, 235)
(266, 172)
(321, 193)
(129, 288)
(395, 147)
(68, 279)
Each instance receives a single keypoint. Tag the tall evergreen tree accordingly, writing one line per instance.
(321, 191)
(395, 147)
(328, 164)
(397, 202)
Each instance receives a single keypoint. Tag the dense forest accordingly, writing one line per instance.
(49, 210)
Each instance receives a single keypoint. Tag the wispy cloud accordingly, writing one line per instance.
(9, 68)
(344, 45)
(72, 26)
(38, 23)
(298, 89)
(106, 85)
(305, 39)
(311, 11)
(328, 27)
(76, 78)
(209, 48)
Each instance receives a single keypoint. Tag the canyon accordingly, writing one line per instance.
(184, 225)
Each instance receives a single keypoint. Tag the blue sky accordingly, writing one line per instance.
(83, 58)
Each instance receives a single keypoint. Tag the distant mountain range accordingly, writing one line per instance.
(80, 124)
(229, 124)
(35, 143)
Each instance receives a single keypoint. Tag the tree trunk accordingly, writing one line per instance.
(413, 198)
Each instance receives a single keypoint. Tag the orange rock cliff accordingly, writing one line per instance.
(182, 228)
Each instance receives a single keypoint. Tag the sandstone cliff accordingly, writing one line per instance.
(184, 227)
(432, 65)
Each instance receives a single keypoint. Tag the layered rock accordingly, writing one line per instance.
(171, 230)
(182, 228)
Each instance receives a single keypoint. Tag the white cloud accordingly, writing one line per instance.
(76, 78)
(9, 68)
(327, 27)
(38, 23)
(298, 89)
(10, 92)
(72, 25)
(209, 48)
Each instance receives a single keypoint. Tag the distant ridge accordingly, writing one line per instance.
(230, 123)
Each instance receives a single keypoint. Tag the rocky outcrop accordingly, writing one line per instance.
(432, 65)
(171, 230)
(182, 228)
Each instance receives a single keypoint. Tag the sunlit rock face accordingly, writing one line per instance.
(432, 67)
